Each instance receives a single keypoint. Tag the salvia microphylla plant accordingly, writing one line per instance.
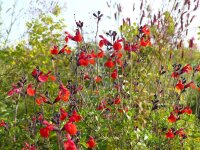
(120, 92)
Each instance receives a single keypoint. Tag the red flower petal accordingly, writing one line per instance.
(44, 132)
(30, 91)
(172, 118)
(63, 114)
(109, 64)
(169, 134)
(70, 128)
(91, 142)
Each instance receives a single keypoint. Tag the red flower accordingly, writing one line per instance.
(186, 69)
(130, 48)
(52, 78)
(44, 132)
(35, 72)
(117, 45)
(91, 142)
(114, 74)
(39, 101)
(175, 74)
(169, 134)
(43, 78)
(75, 117)
(109, 64)
(117, 100)
(65, 49)
(30, 91)
(63, 114)
(98, 79)
(54, 50)
(83, 62)
(70, 128)
(78, 37)
(100, 54)
(69, 144)
(92, 61)
(2, 123)
(63, 94)
(146, 30)
(187, 110)
(180, 86)
(172, 118)
(14, 90)
(144, 42)
(191, 84)
(103, 41)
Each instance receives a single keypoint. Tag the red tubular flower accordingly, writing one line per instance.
(117, 100)
(63, 94)
(91, 142)
(187, 110)
(2, 123)
(180, 86)
(45, 132)
(30, 91)
(100, 54)
(14, 90)
(39, 101)
(191, 84)
(83, 62)
(144, 42)
(109, 64)
(65, 49)
(52, 78)
(78, 37)
(169, 134)
(49, 126)
(117, 45)
(54, 50)
(43, 77)
(103, 41)
(131, 48)
(172, 118)
(35, 72)
(63, 114)
(75, 117)
(145, 30)
(114, 74)
(69, 144)
(186, 69)
(175, 74)
(70, 128)
(83, 59)
(91, 61)
(98, 79)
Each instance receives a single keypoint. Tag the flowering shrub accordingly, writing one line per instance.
(125, 91)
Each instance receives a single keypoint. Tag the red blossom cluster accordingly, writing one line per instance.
(172, 133)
